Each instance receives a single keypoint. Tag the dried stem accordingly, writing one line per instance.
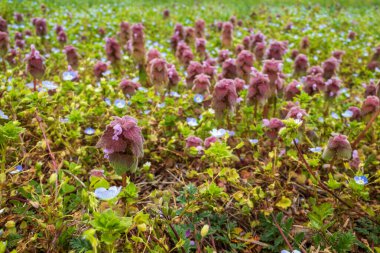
(369, 124)
(282, 233)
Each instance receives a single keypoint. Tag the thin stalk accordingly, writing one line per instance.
(369, 124)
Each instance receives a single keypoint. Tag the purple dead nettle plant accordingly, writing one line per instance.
(227, 34)
(113, 51)
(233, 20)
(124, 32)
(201, 84)
(4, 46)
(313, 84)
(200, 46)
(18, 17)
(173, 77)
(351, 35)
(20, 44)
(152, 54)
(180, 31)
(244, 63)
(247, 43)
(209, 68)
(239, 84)
(370, 105)
(72, 56)
(375, 60)
(224, 99)
(370, 89)
(100, 68)
(180, 49)
(28, 33)
(338, 54)
(102, 31)
(296, 112)
(294, 54)
(18, 36)
(259, 51)
(239, 48)
(174, 40)
(305, 43)
(256, 39)
(193, 141)
(338, 147)
(40, 26)
(159, 75)
(331, 91)
(200, 25)
(122, 142)
(276, 50)
(292, 90)
(166, 14)
(194, 69)
(330, 67)
(209, 140)
(223, 55)
(190, 35)
(315, 70)
(137, 42)
(258, 90)
(187, 57)
(301, 64)
(129, 87)
(3, 25)
(35, 66)
(58, 29)
(273, 68)
(229, 69)
(356, 113)
(11, 57)
(272, 127)
(62, 37)
(286, 108)
(355, 162)
(219, 26)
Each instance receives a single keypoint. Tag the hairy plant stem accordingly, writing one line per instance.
(176, 235)
(362, 134)
(282, 233)
(51, 154)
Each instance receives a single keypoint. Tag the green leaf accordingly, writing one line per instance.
(284, 203)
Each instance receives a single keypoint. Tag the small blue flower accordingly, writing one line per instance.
(107, 101)
(335, 115)
(147, 111)
(104, 194)
(174, 94)
(231, 133)
(64, 120)
(218, 133)
(162, 105)
(2, 115)
(48, 85)
(316, 149)
(347, 114)
(321, 119)
(119, 103)
(17, 170)
(198, 98)
(89, 131)
(106, 73)
(142, 89)
(253, 141)
(362, 180)
(192, 122)
(69, 75)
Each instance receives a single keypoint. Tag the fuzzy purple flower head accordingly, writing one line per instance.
(62, 37)
(370, 105)
(72, 56)
(356, 113)
(3, 25)
(138, 43)
(301, 64)
(4, 43)
(277, 49)
(330, 67)
(173, 76)
(201, 84)
(370, 89)
(35, 63)
(200, 46)
(125, 32)
(227, 34)
(258, 89)
(194, 69)
(40, 25)
(100, 68)
(209, 141)
(159, 72)
(122, 142)
(113, 51)
(292, 90)
(337, 147)
(272, 126)
(193, 141)
(129, 87)
(229, 69)
(223, 55)
(200, 28)
(224, 97)
(332, 87)
(244, 63)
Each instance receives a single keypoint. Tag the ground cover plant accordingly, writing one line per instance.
(189, 127)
